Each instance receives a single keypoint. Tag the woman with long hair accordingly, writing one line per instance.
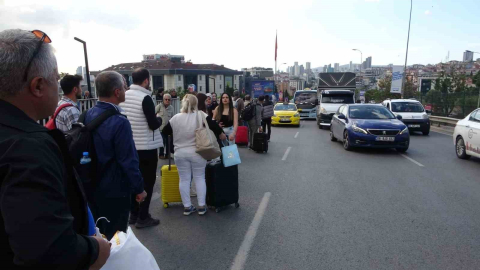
(202, 102)
(227, 116)
(183, 126)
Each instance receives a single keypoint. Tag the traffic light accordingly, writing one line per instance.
(426, 86)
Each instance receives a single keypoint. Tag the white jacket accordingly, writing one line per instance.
(144, 137)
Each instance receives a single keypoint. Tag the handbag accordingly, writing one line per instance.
(230, 155)
(205, 140)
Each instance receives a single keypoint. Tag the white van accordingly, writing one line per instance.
(413, 114)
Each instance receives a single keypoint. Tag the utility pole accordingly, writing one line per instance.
(406, 54)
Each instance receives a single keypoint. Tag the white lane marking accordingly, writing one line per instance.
(242, 254)
(412, 160)
(296, 135)
(286, 153)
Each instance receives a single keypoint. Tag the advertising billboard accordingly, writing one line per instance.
(261, 88)
(397, 79)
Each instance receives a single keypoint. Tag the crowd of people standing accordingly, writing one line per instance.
(40, 188)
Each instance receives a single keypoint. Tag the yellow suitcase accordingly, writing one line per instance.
(170, 184)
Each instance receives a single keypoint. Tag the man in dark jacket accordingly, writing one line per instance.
(118, 163)
(43, 210)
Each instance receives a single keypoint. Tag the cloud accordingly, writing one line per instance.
(428, 12)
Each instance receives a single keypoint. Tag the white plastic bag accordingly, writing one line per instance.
(128, 253)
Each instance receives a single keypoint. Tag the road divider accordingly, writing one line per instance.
(286, 153)
(242, 254)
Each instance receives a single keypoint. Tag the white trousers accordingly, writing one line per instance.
(188, 166)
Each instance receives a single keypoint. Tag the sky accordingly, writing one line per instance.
(240, 34)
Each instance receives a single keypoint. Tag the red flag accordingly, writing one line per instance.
(276, 47)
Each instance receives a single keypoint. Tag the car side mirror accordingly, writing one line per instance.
(399, 117)
(341, 116)
(428, 111)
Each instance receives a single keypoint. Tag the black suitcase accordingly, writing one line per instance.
(260, 142)
(222, 185)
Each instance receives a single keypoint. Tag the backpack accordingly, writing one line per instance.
(80, 139)
(52, 124)
(249, 112)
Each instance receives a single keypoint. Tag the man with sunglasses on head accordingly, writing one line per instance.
(43, 210)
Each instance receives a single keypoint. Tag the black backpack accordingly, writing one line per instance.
(80, 139)
(249, 112)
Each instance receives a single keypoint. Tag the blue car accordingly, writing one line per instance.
(369, 125)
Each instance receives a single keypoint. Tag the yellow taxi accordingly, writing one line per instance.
(286, 114)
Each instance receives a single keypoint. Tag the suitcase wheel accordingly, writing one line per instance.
(165, 205)
(237, 205)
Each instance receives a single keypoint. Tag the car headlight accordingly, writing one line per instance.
(425, 116)
(296, 115)
(322, 110)
(405, 131)
(359, 130)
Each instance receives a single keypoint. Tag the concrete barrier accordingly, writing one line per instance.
(443, 121)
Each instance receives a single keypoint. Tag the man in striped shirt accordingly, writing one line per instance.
(71, 92)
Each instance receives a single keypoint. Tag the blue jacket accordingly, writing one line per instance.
(118, 162)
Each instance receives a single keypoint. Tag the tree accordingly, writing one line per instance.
(440, 97)
(409, 90)
(63, 74)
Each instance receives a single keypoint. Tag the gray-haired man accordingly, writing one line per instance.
(42, 209)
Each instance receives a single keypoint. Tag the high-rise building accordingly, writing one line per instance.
(468, 56)
(336, 67)
(325, 69)
(368, 62)
(297, 69)
(350, 67)
(302, 70)
(309, 66)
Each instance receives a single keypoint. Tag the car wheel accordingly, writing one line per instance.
(425, 133)
(460, 148)
(332, 137)
(346, 142)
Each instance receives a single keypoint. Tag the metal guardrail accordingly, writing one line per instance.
(445, 121)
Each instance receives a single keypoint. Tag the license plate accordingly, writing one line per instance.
(304, 114)
(413, 126)
(284, 120)
(385, 139)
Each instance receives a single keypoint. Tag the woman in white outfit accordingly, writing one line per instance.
(183, 126)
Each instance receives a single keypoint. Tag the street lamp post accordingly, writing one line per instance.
(86, 65)
(406, 54)
(361, 63)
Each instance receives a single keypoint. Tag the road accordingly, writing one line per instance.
(333, 209)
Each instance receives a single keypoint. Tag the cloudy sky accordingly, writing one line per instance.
(241, 34)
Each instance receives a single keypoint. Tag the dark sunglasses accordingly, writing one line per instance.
(44, 38)
(167, 99)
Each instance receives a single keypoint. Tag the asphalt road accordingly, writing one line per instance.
(333, 209)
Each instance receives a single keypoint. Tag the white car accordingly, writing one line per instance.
(467, 136)
(412, 112)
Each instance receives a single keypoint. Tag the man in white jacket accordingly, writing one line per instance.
(140, 110)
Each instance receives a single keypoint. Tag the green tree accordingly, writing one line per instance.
(441, 96)
(409, 90)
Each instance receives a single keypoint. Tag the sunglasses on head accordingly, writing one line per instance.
(44, 38)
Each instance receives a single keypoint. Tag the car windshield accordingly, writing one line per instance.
(370, 112)
(407, 107)
(308, 97)
(283, 107)
(343, 99)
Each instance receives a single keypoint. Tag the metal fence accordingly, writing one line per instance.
(85, 104)
(456, 105)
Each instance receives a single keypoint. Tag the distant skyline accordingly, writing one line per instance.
(239, 35)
